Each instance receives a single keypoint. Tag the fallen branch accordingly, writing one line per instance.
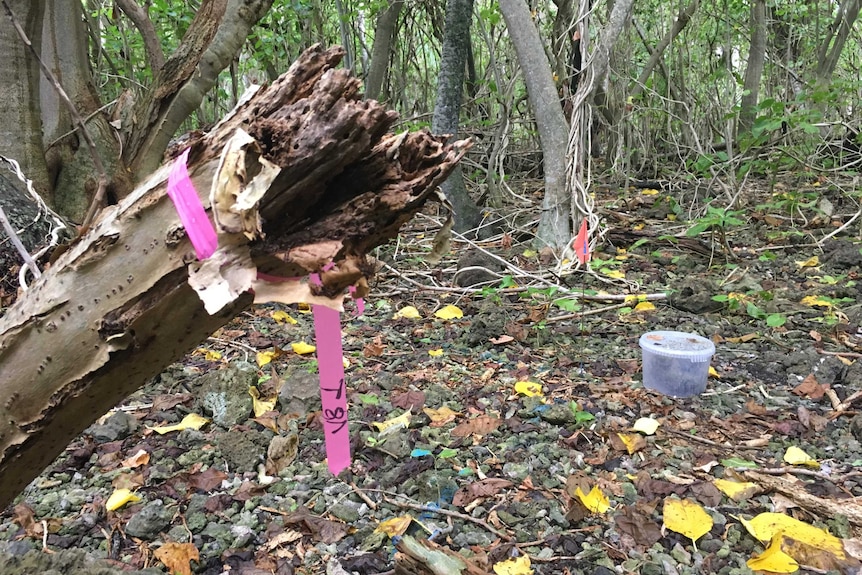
(299, 178)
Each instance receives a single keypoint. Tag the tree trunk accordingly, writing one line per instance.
(753, 68)
(447, 109)
(118, 306)
(20, 122)
(833, 43)
(384, 34)
(70, 163)
(555, 228)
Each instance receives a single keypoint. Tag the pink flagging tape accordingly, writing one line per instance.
(327, 322)
(191, 211)
(327, 333)
(360, 303)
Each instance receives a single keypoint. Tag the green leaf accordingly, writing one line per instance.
(736, 462)
(369, 398)
(775, 320)
(698, 229)
(446, 453)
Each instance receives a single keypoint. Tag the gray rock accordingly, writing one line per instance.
(301, 386)
(118, 426)
(224, 394)
(150, 521)
(243, 451)
(346, 513)
(558, 414)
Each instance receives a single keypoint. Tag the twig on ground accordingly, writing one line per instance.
(446, 512)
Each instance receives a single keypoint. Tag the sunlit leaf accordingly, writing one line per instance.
(259, 405)
(686, 518)
(119, 498)
(649, 192)
(815, 301)
(190, 421)
(811, 262)
(264, 357)
(402, 420)
(407, 312)
(634, 442)
(449, 312)
(302, 348)
(282, 317)
(713, 373)
(795, 456)
(765, 526)
(644, 306)
(595, 500)
(615, 274)
(646, 425)
(395, 526)
(435, 352)
(773, 559)
(518, 566)
(736, 490)
(528, 388)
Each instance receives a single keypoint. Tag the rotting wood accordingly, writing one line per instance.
(117, 307)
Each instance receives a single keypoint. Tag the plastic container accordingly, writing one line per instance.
(676, 363)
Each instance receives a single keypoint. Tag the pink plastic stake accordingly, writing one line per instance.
(327, 333)
(191, 211)
(360, 303)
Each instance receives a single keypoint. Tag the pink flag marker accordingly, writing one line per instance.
(333, 396)
(582, 244)
(191, 211)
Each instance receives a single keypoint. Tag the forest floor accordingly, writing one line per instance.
(491, 470)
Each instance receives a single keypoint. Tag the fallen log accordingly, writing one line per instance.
(302, 177)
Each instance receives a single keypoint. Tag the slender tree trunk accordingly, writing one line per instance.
(680, 22)
(833, 43)
(555, 228)
(20, 121)
(381, 49)
(754, 67)
(447, 109)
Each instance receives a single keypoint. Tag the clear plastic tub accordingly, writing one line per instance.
(676, 363)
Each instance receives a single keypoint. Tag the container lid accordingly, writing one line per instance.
(678, 344)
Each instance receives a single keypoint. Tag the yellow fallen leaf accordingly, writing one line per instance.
(766, 525)
(517, 566)
(644, 306)
(345, 362)
(811, 262)
(435, 352)
(736, 490)
(649, 192)
(595, 500)
(264, 357)
(646, 425)
(773, 559)
(440, 416)
(259, 405)
(815, 301)
(795, 456)
(713, 373)
(119, 498)
(529, 388)
(395, 526)
(449, 312)
(686, 518)
(407, 312)
(528, 253)
(302, 348)
(402, 420)
(632, 441)
(615, 274)
(671, 217)
(209, 354)
(282, 317)
(190, 421)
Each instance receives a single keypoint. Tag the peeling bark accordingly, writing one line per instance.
(117, 306)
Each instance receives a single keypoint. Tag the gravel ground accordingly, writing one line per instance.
(495, 478)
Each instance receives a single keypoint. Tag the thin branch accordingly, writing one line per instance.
(76, 118)
(139, 17)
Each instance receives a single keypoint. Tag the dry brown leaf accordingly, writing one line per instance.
(478, 489)
(136, 460)
(810, 387)
(482, 425)
(207, 480)
(177, 557)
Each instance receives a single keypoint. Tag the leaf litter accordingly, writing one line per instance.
(461, 457)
